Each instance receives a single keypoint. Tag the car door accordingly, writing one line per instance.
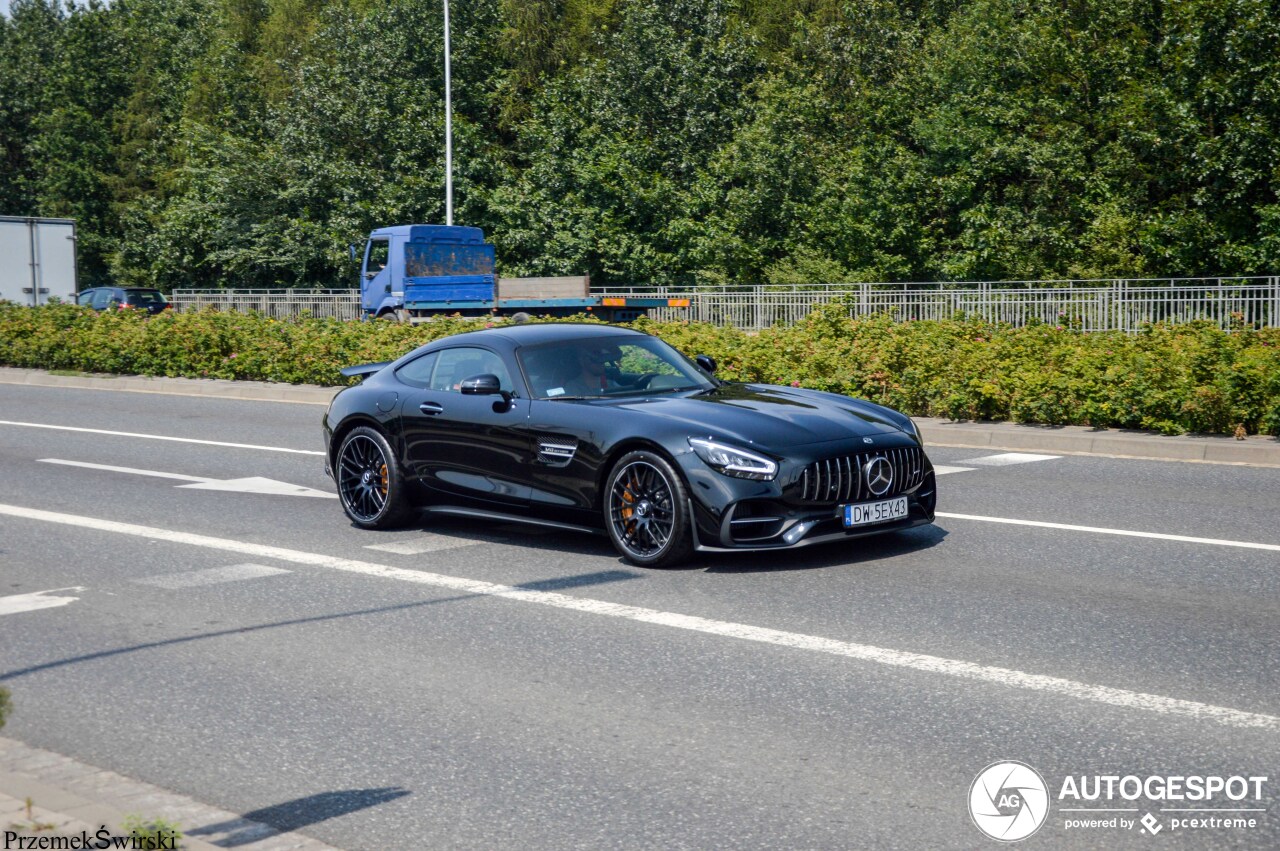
(463, 445)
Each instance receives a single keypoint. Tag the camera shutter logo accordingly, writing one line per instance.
(879, 475)
(1009, 801)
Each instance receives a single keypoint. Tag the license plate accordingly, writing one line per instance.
(870, 513)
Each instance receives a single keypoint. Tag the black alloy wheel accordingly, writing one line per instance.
(646, 511)
(371, 484)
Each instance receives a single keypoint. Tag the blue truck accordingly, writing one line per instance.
(413, 272)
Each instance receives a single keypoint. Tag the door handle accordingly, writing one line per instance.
(431, 408)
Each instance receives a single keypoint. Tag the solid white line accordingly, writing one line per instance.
(165, 437)
(915, 661)
(16, 603)
(156, 473)
(1097, 530)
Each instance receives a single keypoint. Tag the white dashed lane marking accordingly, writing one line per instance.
(211, 576)
(1004, 459)
(34, 601)
(425, 544)
(943, 469)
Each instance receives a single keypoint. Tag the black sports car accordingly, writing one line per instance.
(592, 427)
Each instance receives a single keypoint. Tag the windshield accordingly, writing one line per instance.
(608, 366)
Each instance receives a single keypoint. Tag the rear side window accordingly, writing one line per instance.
(417, 373)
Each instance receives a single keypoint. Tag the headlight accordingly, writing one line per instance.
(733, 461)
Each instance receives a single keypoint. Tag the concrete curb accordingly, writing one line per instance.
(70, 798)
(1256, 451)
(1067, 440)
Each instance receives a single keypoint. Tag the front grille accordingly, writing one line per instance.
(841, 479)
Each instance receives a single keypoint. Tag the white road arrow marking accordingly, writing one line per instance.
(252, 484)
(35, 601)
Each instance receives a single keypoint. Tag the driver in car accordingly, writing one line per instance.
(590, 377)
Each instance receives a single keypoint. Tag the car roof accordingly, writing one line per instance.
(548, 332)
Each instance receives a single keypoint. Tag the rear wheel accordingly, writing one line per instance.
(646, 511)
(371, 484)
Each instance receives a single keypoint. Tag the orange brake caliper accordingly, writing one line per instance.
(627, 511)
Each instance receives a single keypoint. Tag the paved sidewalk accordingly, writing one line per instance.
(1080, 440)
(70, 799)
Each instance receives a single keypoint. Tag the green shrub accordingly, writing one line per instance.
(153, 832)
(1170, 378)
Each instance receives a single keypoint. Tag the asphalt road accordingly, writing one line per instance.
(471, 685)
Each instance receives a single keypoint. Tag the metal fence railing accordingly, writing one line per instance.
(278, 304)
(1086, 305)
(1123, 305)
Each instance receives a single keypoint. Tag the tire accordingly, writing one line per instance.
(646, 511)
(371, 483)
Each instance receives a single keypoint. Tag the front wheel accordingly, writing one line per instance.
(371, 485)
(646, 511)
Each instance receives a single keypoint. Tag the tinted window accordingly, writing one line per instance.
(608, 366)
(453, 365)
(142, 298)
(418, 372)
(101, 299)
(86, 298)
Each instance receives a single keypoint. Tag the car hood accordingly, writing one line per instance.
(769, 416)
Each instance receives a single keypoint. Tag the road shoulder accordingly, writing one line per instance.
(1254, 450)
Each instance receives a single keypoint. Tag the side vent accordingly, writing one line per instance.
(556, 450)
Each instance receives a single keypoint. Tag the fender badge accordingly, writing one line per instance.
(867, 440)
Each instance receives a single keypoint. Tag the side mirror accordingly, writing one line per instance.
(707, 363)
(486, 384)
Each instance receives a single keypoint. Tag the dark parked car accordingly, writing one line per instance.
(592, 428)
(123, 298)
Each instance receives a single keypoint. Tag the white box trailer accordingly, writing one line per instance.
(37, 259)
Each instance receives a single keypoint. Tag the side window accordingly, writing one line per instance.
(453, 365)
(379, 253)
(102, 299)
(86, 298)
(417, 373)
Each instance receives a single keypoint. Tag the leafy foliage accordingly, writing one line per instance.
(1169, 378)
(246, 142)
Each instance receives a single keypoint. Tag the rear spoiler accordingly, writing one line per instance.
(363, 370)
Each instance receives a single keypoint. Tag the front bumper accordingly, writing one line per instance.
(737, 514)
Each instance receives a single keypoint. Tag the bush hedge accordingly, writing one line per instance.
(1191, 377)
